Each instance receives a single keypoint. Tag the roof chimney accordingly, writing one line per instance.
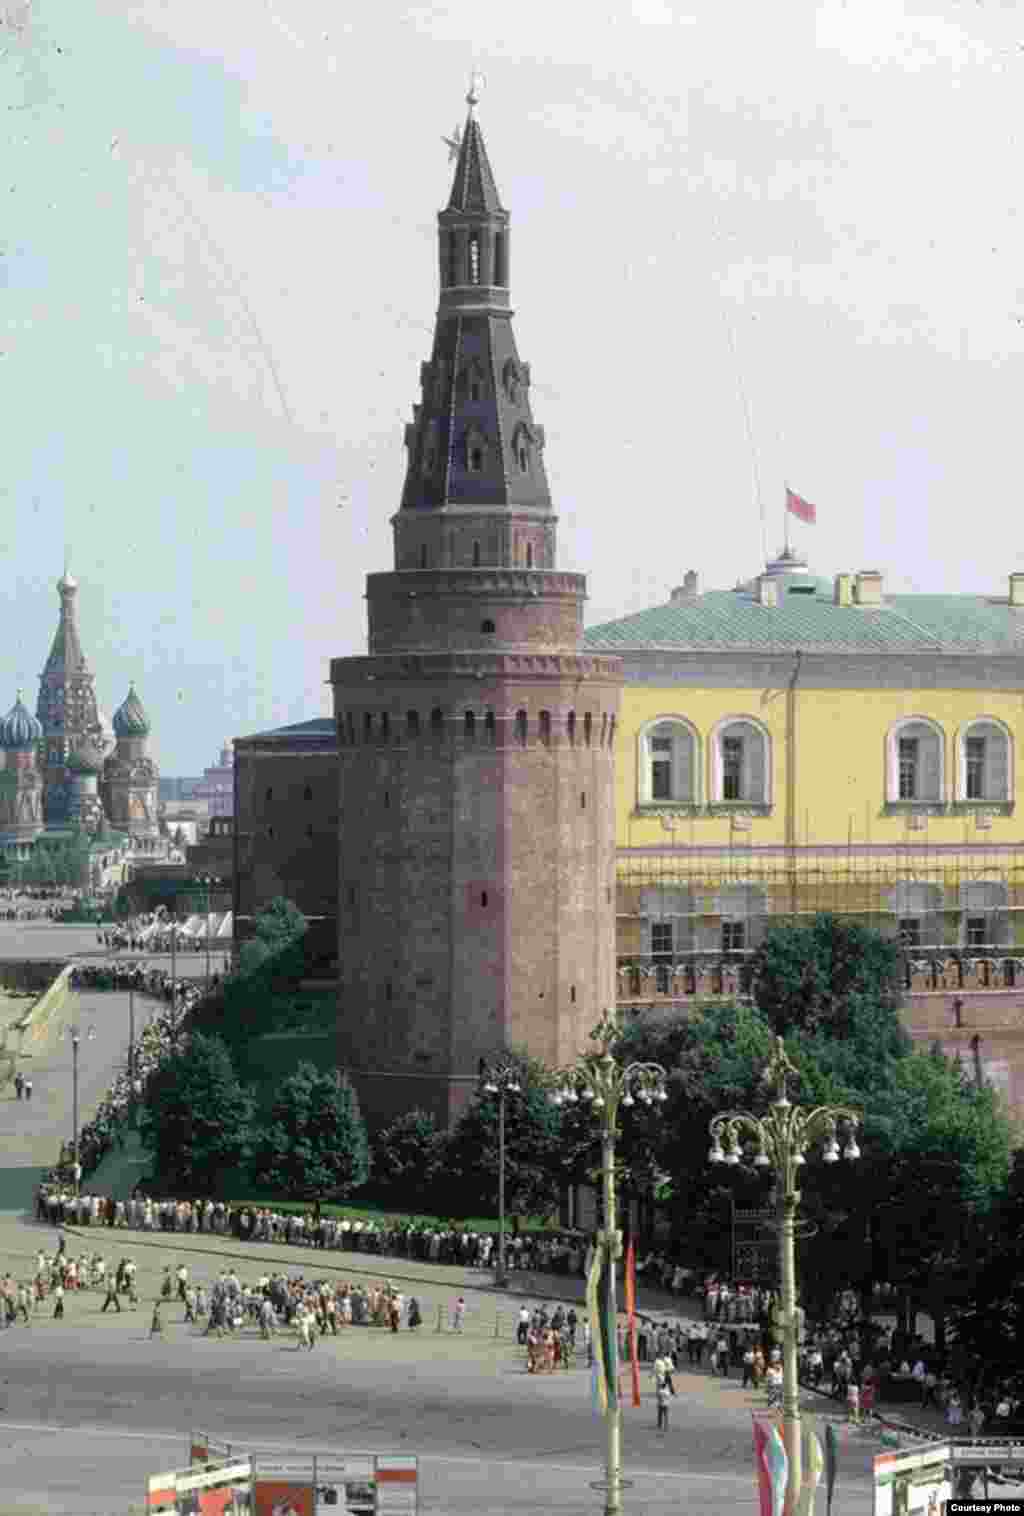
(867, 587)
(844, 589)
(767, 590)
(1017, 589)
(689, 589)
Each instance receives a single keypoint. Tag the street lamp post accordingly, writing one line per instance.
(502, 1080)
(781, 1139)
(598, 1077)
(74, 1035)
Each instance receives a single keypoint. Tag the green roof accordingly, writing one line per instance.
(729, 620)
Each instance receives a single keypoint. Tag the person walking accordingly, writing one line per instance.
(459, 1314)
(58, 1302)
(19, 1084)
(23, 1302)
(524, 1325)
(182, 1281)
(414, 1313)
(572, 1321)
(853, 1402)
(190, 1305)
(27, 1087)
(166, 1288)
(748, 1368)
(156, 1326)
(663, 1396)
(129, 1274)
(111, 1296)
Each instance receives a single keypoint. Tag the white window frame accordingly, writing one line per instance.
(644, 759)
(969, 729)
(892, 762)
(998, 912)
(716, 767)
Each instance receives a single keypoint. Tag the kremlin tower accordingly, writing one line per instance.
(476, 905)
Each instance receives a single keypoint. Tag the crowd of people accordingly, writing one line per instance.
(272, 1302)
(158, 1039)
(36, 904)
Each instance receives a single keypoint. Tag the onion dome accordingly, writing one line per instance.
(86, 759)
(130, 719)
(19, 728)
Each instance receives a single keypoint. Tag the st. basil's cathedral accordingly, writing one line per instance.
(69, 771)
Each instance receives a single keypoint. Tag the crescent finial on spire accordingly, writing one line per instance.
(477, 82)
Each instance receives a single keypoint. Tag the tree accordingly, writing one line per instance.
(197, 1117)
(315, 1145)
(408, 1157)
(823, 975)
(990, 1321)
(533, 1164)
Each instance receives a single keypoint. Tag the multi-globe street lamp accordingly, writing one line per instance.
(599, 1078)
(501, 1079)
(779, 1140)
(74, 1035)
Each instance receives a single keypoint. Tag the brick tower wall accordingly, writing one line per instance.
(476, 888)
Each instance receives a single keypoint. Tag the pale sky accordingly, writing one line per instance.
(218, 281)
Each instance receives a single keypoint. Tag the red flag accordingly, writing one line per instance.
(796, 505)
(631, 1317)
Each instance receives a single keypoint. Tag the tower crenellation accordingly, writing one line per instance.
(476, 739)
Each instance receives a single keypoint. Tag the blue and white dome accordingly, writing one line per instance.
(130, 719)
(19, 729)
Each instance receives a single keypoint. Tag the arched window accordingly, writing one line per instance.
(350, 722)
(545, 728)
(522, 727)
(742, 909)
(385, 727)
(470, 726)
(917, 909)
(915, 762)
(588, 729)
(500, 259)
(604, 727)
(412, 723)
(667, 761)
(475, 458)
(476, 555)
(367, 726)
(984, 921)
(741, 765)
(423, 555)
(667, 930)
(437, 722)
(268, 797)
(529, 555)
(523, 459)
(453, 259)
(985, 762)
(490, 728)
(570, 728)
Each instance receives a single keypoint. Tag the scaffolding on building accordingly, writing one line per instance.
(689, 918)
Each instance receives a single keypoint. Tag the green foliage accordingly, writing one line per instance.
(270, 965)
(990, 1319)
(197, 1118)
(823, 976)
(315, 1143)
(409, 1157)
(533, 1149)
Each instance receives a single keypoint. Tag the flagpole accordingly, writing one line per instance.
(785, 513)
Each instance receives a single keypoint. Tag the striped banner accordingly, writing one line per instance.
(631, 1318)
(603, 1329)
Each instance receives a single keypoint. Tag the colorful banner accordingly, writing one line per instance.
(831, 1464)
(764, 1480)
(777, 1462)
(609, 1327)
(913, 1484)
(281, 1483)
(813, 1463)
(215, 1490)
(634, 1359)
(597, 1382)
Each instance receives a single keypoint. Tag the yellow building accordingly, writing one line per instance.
(797, 744)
